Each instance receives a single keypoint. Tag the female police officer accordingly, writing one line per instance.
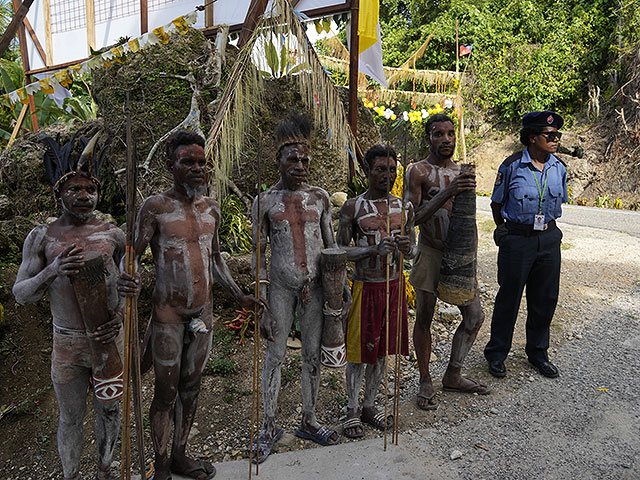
(527, 198)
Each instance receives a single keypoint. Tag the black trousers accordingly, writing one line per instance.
(532, 261)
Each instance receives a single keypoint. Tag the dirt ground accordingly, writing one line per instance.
(222, 426)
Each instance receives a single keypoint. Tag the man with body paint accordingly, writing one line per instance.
(363, 221)
(181, 225)
(295, 218)
(51, 255)
(431, 187)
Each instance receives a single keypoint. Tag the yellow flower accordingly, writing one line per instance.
(393, 117)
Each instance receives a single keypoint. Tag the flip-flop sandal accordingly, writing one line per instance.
(260, 455)
(321, 436)
(203, 468)
(427, 406)
(378, 420)
(352, 423)
(475, 387)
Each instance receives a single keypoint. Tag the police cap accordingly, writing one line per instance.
(545, 118)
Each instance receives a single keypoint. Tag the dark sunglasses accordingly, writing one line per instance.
(552, 136)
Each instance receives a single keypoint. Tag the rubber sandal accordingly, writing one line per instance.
(321, 436)
(377, 421)
(428, 406)
(261, 454)
(475, 387)
(350, 423)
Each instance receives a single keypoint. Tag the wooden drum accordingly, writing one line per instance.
(333, 264)
(91, 293)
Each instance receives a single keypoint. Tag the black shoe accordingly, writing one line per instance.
(497, 368)
(546, 368)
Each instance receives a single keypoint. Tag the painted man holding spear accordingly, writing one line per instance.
(431, 186)
(363, 221)
(181, 225)
(53, 256)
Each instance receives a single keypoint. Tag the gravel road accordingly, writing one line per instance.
(584, 424)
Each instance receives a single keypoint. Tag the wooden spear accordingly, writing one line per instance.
(132, 344)
(255, 399)
(386, 338)
(401, 299)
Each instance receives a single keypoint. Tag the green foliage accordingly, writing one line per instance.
(527, 55)
(279, 61)
(221, 367)
(234, 231)
(220, 362)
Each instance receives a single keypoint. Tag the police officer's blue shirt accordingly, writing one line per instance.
(517, 191)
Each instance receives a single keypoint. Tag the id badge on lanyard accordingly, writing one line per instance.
(538, 220)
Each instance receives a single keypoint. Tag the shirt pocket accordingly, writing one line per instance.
(528, 199)
(554, 204)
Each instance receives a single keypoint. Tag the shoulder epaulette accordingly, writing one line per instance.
(561, 161)
(512, 158)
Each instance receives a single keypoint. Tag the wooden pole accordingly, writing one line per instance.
(386, 351)
(401, 300)
(354, 46)
(256, 10)
(10, 32)
(125, 467)
(91, 25)
(22, 39)
(131, 307)
(144, 17)
(48, 41)
(255, 399)
(16, 129)
(457, 50)
(36, 41)
(208, 14)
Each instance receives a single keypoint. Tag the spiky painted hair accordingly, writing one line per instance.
(61, 162)
(296, 128)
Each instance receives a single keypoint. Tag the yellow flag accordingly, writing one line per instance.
(160, 33)
(45, 85)
(64, 77)
(181, 25)
(370, 45)
(22, 94)
(134, 45)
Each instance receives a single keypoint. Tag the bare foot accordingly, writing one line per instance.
(426, 396)
(464, 385)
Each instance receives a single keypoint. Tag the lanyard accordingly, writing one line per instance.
(544, 189)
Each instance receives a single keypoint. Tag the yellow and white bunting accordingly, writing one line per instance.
(64, 77)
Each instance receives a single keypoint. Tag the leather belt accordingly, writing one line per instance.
(527, 230)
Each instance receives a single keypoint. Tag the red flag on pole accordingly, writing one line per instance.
(465, 49)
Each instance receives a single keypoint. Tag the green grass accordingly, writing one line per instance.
(566, 246)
